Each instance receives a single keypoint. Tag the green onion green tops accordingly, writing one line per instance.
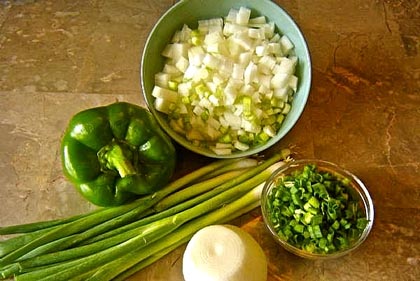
(315, 211)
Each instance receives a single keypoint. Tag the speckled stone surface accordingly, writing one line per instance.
(59, 57)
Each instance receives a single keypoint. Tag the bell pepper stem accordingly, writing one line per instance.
(116, 156)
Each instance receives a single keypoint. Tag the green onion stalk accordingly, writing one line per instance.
(132, 236)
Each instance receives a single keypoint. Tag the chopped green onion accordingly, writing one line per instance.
(314, 210)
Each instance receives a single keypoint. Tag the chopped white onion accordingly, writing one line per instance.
(231, 81)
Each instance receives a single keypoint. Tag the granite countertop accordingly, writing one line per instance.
(59, 57)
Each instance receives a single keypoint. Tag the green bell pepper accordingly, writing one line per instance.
(114, 154)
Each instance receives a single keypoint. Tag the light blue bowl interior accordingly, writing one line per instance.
(189, 12)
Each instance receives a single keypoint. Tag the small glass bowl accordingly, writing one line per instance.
(359, 190)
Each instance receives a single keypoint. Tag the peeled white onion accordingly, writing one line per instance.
(224, 253)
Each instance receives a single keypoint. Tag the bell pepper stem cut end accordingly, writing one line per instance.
(116, 156)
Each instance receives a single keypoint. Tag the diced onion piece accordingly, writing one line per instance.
(250, 73)
(171, 69)
(196, 55)
(175, 50)
(166, 94)
(182, 64)
(243, 40)
(163, 105)
(286, 108)
(241, 146)
(286, 66)
(286, 44)
(256, 33)
(293, 82)
(280, 80)
(243, 15)
(221, 151)
(210, 25)
(269, 130)
(162, 79)
(210, 61)
(231, 17)
(257, 20)
(281, 93)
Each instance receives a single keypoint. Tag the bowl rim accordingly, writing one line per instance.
(357, 185)
(285, 128)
